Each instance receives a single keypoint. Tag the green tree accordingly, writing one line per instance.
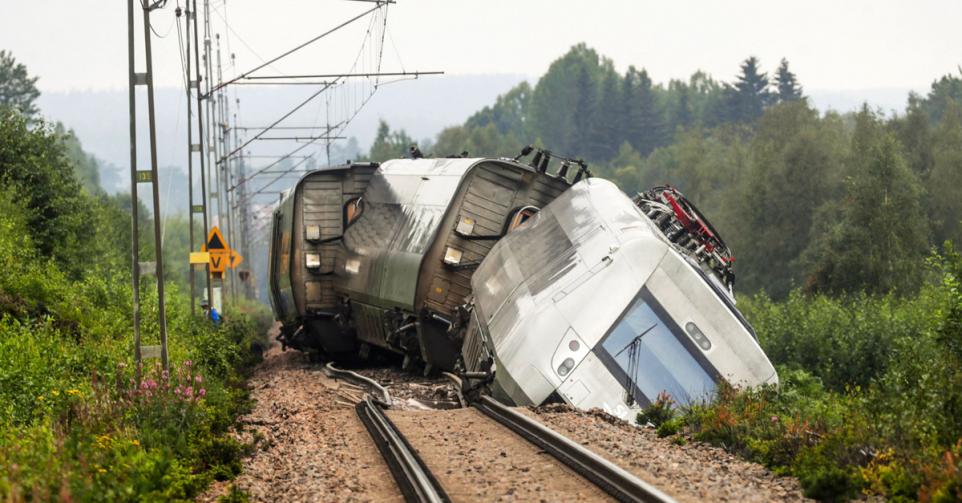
(583, 141)
(647, 130)
(508, 114)
(86, 167)
(17, 89)
(795, 161)
(476, 141)
(749, 95)
(914, 131)
(563, 101)
(607, 124)
(944, 182)
(34, 163)
(786, 84)
(943, 91)
(390, 144)
(875, 238)
(625, 169)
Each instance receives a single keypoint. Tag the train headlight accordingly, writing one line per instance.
(452, 256)
(566, 366)
(312, 233)
(352, 266)
(312, 260)
(698, 336)
(465, 226)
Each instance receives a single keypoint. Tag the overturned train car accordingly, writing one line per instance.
(532, 287)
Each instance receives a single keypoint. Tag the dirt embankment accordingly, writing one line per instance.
(310, 444)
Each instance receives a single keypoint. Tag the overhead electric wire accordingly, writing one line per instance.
(268, 184)
(342, 75)
(271, 165)
(299, 47)
(278, 121)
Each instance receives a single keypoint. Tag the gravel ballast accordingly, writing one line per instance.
(690, 472)
(312, 446)
(477, 459)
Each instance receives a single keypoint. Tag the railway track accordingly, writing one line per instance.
(614, 480)
(419, 484)
(416, 481)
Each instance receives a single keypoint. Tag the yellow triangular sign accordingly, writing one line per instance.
(215, 240)
(235, 259)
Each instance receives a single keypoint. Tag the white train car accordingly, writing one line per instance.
(594, 303)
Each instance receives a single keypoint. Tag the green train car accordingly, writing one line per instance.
(380, 257)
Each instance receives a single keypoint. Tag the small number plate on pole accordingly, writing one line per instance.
(150, 351)
(144, 176)
(197, 208)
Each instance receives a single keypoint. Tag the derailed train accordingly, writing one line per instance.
(531, 286)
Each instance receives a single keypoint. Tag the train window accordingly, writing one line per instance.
(521, 216)
(647, 357)
(353, 210)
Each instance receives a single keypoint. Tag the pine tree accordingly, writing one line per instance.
(787, 84)
(652, 125)
(580, 143)
(749, 95)
(607, 131)
(631, 118)
(17, 89)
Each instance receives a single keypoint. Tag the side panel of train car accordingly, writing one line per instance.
(383, 255)
(590, 303)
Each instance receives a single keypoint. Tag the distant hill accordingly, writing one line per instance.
(421, 107)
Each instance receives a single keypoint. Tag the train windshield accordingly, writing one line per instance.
(648, 353)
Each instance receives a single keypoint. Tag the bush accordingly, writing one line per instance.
(658, 412)
(870, 394)
(74, 423)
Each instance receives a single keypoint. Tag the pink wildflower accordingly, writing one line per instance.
(202, 392)
(198, 379)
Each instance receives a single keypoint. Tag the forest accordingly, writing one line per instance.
(843, 226)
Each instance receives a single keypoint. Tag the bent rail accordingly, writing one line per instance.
(333, 371)
(614, 480)
(415, 480)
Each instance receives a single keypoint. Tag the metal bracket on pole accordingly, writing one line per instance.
(140, 79)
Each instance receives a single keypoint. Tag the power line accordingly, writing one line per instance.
(343, 75)
(301, 46)
(278, 121)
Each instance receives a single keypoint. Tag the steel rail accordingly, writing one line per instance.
(348, 375)
(614, 480)
(415, 480)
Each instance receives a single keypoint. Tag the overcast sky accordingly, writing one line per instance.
(81, 45)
